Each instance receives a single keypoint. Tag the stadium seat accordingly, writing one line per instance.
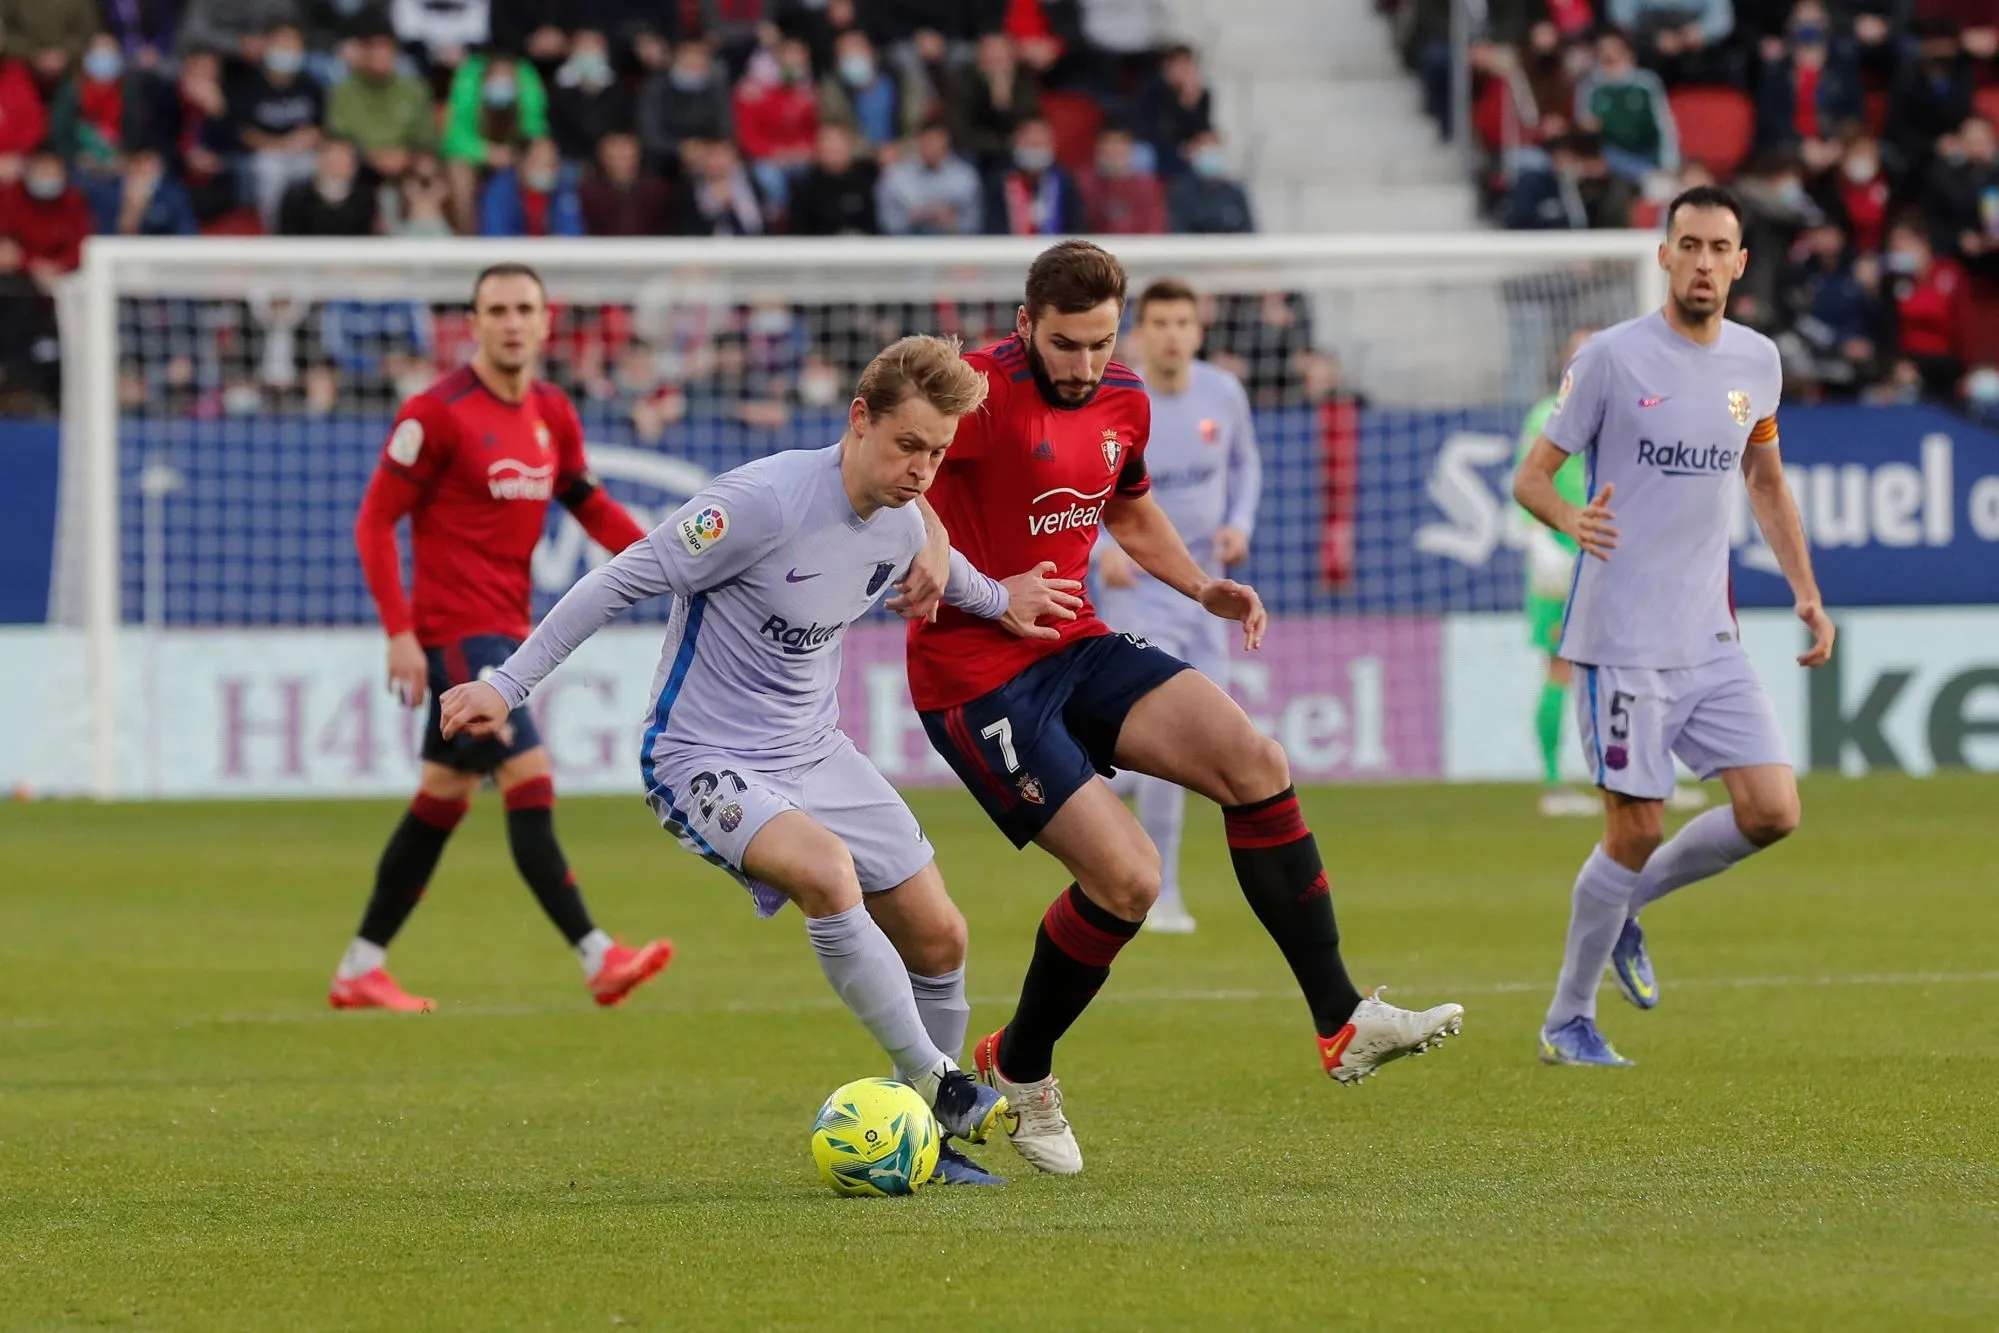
(1877, 111)
(1986, 101)
(1717, 126)
(1645, 213)
(1981, 334)
(1076, 120)
(236, 222)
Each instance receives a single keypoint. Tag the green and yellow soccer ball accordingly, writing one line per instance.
(875, 1136)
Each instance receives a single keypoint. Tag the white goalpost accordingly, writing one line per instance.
(224, 402)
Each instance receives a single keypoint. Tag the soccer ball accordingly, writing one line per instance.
(875, 1136)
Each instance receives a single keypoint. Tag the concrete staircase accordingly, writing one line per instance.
(1326, 126)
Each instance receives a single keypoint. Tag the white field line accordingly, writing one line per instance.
(803, 1004)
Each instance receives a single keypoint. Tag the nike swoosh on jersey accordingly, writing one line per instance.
(793, 576)
(1650, 402)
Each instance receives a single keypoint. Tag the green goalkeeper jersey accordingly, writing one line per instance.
(1571, 482)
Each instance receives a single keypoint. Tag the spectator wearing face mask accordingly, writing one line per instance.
(588, 101)
(1856, 194)
(1928, 304)
(777, 119)
(932, 191)
(276, 110)
(618, 199)
(1627, 106)
(141, 200)
(387, 114)
(718, 197)
(1835, 313)
(106, 107)
(335, 202)
(1808, 85)
(1119, 197)
(688, 99)
(862, 94)
(535, 198)
(497, 104)
(418, 203)
(1981, 394)
(1962, 198)
(1034, 196)
(46, 216)
(1203, 200)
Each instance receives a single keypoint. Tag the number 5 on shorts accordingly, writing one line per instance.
(1002, 731)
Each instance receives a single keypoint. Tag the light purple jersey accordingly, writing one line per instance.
(1206, 474)
(1667, 421)
(768, 565)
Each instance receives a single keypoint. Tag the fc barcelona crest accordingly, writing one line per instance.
(1111, 450)
(1738, 406)
(1030, 789)
(880, 576)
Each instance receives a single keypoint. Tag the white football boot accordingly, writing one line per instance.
(1039, 1131)
(1378, 1032)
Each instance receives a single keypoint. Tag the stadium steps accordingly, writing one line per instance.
(1326, 127)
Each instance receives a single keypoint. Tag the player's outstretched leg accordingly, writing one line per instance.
(928, 932)
(803, 860)
(362, 981)
(612, 969)
(1188, 731)
(1162, 813)
(1763, 810)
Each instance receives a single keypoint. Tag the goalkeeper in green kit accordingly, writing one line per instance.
(1551, 563)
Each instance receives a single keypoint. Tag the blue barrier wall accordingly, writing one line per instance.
(1901, 504)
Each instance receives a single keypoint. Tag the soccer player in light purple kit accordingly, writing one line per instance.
(1667, 409)
(1207, 476)
(742, 758)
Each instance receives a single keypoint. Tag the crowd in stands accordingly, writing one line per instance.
(1858, 133)
(589, 118)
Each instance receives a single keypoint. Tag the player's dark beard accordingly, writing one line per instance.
(1049, 390)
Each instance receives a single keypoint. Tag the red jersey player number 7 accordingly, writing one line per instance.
(1031, 726)
(473, 462)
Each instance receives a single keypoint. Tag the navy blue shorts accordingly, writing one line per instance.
(456, 664)
(1028, 746)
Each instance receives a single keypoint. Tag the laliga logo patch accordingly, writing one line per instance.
(407, 442)
(1111, 449)
(704, 529)
(1738, 406)
(1616, 757)
(1562, 394)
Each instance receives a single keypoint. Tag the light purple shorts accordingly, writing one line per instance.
(1633, 720)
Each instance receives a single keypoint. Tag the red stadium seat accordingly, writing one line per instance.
(1717, 126)
(1645, 214)
(1076, 120)
(1981, 334)
(1877, 112)
(1986, 102)
(236, 222)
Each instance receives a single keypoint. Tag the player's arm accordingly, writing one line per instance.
(1571, 427)
(1019, 603)
(418, 447)
(1244, 486)
(1149, 538)
(603, 518)
(704, 544)
(1777, 514)
(923, 583)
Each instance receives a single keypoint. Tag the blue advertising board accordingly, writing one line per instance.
(251, 518)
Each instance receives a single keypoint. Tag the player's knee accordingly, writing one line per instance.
(1130, 888)
(1771, 821)
(828, 885)
(942, 947)
(1258, 768)
(1630, 841)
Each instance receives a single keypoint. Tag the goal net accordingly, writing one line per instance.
(225, 404)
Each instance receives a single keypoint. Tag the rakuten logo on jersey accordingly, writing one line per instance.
(511, 479)
(1687, 460)
(1082, 511)
(797, 640)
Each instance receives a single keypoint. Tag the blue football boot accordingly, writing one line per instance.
(1631, 967)
(1577, 1042)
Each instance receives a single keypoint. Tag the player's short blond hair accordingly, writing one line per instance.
(925, 365)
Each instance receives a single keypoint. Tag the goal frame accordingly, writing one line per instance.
(117, 265)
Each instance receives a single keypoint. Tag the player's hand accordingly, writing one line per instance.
(475, 708)
(922, 588)
(1823, 633)
(1035, 597)
(409, 673)
(1237, 601)
(1115, 568)
(1593, 531)
(1231, 545)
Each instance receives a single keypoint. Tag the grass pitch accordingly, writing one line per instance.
(190, 1139)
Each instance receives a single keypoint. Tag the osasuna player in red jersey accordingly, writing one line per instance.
(1029, 724)
(473, 461)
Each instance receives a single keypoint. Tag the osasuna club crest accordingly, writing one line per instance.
(880, 576)
(1030, 789)
(1111, 449)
